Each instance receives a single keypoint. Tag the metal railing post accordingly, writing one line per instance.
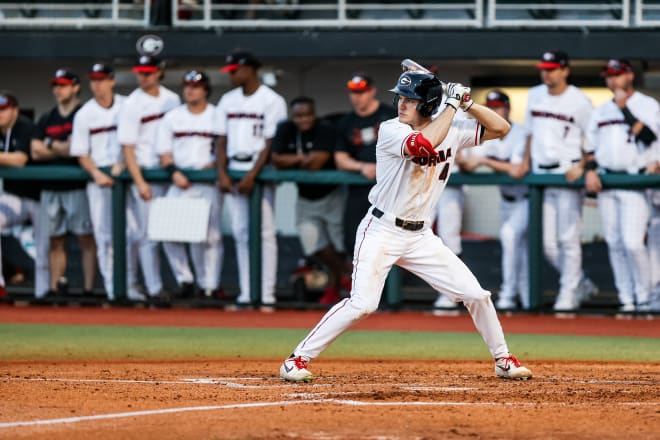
(255, 242)
(119, 239)
(535, 243)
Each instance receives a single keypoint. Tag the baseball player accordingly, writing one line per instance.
(186, 141)
(654, 233)
(65, 202)
(306, 142)
(247, 117)
(556, 122)
(501, 155)
(414, 157)
(19, 200)
(139, 122)
(94, 142)
(620, 138)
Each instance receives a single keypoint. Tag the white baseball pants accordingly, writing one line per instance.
(514, 219)
(379, 245)
(16, 210)
(562, 226)
(624, 215)
(654, 249)
(449, 217)
(239, 205)
(206, 256)
(137, 220)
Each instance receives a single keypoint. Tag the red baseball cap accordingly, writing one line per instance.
(616, 67)
(101, 71)
(240, 58)
(147, 64)
(359, 82)
(64, 77)
(553, 59)
(497, 98)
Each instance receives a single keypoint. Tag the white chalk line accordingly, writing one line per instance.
(79, 419)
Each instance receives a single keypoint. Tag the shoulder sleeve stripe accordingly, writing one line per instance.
(477, 134)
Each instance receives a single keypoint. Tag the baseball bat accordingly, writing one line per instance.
(413, 66)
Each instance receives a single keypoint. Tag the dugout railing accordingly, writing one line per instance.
(393, 294)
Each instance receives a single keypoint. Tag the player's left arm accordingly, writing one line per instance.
(643, 133)
(493, 125)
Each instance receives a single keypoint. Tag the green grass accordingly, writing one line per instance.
(76, 342)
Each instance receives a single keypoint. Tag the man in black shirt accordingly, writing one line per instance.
(64, 201)
(20, 199)
(306, 143)
(357, 133)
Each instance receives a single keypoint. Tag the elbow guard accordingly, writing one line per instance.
(419, 146)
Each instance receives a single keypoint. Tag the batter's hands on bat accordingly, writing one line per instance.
(180, 180)
(224, 183)
(574, 173)
(592, 182)
(456, 94)
(144, 190)
(368, 170)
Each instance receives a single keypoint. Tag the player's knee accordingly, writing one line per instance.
(474, 295)
(363, 306)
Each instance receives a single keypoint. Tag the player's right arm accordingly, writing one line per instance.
(224, 181)
(127, 133)
(80, 147)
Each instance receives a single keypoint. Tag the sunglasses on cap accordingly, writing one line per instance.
(193, 77)
(359, 86)
(7, 101)
(616, 67)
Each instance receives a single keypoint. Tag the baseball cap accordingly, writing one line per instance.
(64, 77)
(616, 67)
(497, 98)
(552, 60)
(7, 100)
(195, 77)
(360, 82)
(147, 64)
(240, 58)
(101, 71)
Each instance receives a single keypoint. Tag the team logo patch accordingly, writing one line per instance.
(150, 45)
(405, 81)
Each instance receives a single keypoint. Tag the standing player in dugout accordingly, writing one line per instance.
(414, 156)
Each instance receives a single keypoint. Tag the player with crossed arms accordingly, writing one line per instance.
(414, 156)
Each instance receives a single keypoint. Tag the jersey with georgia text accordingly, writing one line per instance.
(510, 148)
(410, 187)
(95, 132)
(139, 122)
(611, 139)
(248, 121)
(557, 125)
(189, 137)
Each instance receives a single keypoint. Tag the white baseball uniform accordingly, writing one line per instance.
(190, 139)
(625, 212)
(406, 193)
(247, 122)
(514, 218)
(139, 122)
(557, 125)
(95, 135)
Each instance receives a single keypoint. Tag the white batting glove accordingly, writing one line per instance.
(467, 102)
(455, 94)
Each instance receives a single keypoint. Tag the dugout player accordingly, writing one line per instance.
(94, 142)
(501, 155)
(654, 231)
(65, 202)
(556, 122)
(247, 117)
(307, 143)
(139, 122)
(355, 150)
(621, 135)
(412, 152)
(19, 201)
(186, 141)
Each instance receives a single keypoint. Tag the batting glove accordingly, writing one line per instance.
(455, 94)
(467, 102)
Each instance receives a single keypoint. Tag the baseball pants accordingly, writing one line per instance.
(379, 245)
(16, 210)
(514, 217)
(239, 205)
(654, 249)
(624, 215)
(137, 220)
(206, 256)
(562, 226)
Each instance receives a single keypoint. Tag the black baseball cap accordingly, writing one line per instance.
(240, 58)
(360, 82)
(553, 59)
(497, 98)
(196, 77)
(7, 100)
(101, 71)
(616, 67)
(147, 64)
(64, 77)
